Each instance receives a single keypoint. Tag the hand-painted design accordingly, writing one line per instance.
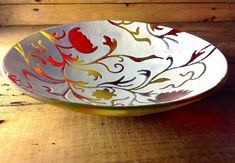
(123, 84)
(51, 80)
(134, 34)
(80, 42)
(116, 103)
(109, 90)
(39, 49)
(160, 80)
(173, 32)
(155, 26)
(104, 94)
(42, 76)
(68, 59)
(37, 54)
(19, 48)
(112, 43)
(192, 61)
(151, 29)
(171, 96)
(26, 86)
(119, 82)
(14, 79)
(196, 54)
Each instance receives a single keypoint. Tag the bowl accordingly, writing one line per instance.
(115, 67)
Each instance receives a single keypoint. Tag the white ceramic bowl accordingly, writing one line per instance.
(119, 68)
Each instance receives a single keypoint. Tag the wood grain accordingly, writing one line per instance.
(201, 132)
(108, 1)
(67, 13)
(31, 131)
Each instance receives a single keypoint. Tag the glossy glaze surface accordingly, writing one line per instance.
(109, 67)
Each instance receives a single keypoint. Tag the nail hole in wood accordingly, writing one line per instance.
(17, 103)
(206, 20)
(213, 18)
(2, 121)
(5, 84)
(35, 9)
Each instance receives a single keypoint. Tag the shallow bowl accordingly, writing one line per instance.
(118, 68)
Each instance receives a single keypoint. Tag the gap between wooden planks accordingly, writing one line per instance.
(67, 13)
(108, 1)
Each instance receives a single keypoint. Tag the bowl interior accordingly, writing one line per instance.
(114, 63)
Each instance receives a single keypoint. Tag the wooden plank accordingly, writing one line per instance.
(200, 132)
(65, 13)
(108, 1)
(9, 96)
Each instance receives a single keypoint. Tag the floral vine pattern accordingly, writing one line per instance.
(134, 33)
(164, 37)
(144, 88)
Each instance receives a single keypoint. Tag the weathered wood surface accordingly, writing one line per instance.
(31, 14)
(108, 1)
(32, 131)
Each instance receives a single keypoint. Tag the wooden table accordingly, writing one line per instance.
(32, 131)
